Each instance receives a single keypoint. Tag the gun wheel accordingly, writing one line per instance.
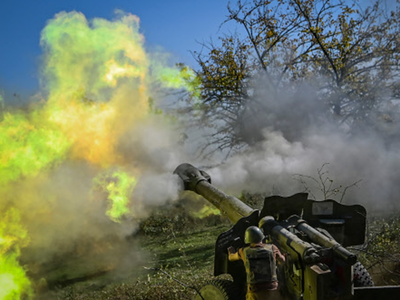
(219, 290)
(361, 276)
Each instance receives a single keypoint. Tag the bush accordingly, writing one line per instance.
(180, 217)
(381, 253)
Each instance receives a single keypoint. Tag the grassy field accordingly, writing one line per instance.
(177, 258)
(175, 265)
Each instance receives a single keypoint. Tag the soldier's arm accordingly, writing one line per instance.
(278, 255)
(233, 254)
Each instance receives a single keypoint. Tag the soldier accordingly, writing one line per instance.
(260, 262)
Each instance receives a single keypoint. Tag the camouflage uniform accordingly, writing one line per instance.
(260, 264)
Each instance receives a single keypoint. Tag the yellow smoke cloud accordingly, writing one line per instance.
(13, 279)
(92, 54)
(95, 72)
(95, 77)
(205, 211)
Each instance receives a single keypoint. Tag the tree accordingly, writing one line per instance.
(225, 75)
(349, 54)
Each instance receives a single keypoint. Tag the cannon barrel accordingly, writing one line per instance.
(199, 182)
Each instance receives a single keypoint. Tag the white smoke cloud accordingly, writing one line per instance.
(298, 139)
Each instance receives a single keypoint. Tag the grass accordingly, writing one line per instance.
(177, 263)
(180, 255)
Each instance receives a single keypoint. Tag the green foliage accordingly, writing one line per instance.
(381, 253)
(384, 235)
(349, 55)
(224, 77)
(160, 223)
(179, 217)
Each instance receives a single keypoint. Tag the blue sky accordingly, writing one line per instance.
(177, 26)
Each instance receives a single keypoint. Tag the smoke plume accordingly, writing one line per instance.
(298, 142)
(89, 159)
(92, 156)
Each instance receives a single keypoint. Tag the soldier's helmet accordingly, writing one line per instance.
(253, 235)
(266, 224)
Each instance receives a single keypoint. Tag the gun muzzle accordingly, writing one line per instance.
(199, 182)
(191, 176)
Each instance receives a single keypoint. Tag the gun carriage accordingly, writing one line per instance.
(311, 234)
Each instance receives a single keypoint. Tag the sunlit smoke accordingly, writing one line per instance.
(28, 145)
(119, 190)
(68, 163)
(182, 78)
(13, 279)
(83, 65)
(205, 211)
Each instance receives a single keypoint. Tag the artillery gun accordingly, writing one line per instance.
(311, 234)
